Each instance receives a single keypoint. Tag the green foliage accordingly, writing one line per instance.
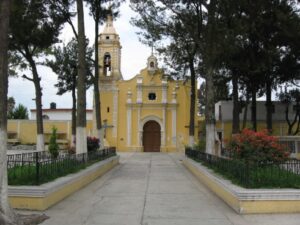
(18, 113)
(201, 146)
(251, 146)
(271, 176)
(251, 174)
(26, 174)
(53, 146)
(65, 65)
(10, 107)
(35, 26)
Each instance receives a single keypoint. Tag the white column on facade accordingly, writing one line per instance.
(164, 98)
(174, 126)
(139, 96)
(115, 113)
(129, 117)
(129, 126)
(163, 132)
(139, 135)
(174, 118)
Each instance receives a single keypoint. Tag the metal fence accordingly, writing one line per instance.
(251, 174)
(40, 167)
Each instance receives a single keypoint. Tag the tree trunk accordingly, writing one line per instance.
(96, 87)
(246, 110)
(269, 106)
(81, 142)
(40, 144)
(210, 98)
(290, 124)
(73, 141)
(210, 113)
(192, 102)
(253, 110)
(236, 105)
(7, 216)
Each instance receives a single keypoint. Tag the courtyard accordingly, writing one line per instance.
(152, 189)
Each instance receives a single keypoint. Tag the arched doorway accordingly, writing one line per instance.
(151, 136)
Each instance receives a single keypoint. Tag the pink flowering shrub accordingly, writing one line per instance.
(257, 147)
(93, 143)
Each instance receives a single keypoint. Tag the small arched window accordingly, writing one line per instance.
(107, 64)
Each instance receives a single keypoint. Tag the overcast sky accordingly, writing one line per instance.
(134, 57)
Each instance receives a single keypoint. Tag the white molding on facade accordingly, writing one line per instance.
(163, 138)
(115, 113)
(140, 133)
(139, 95)
(164, 98)
(129, 112)
(174, 126)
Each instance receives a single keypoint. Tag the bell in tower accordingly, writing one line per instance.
(107, 65)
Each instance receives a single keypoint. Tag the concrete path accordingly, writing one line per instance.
(152, 189)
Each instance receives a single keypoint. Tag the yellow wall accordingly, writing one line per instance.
(26, 129)
(280, 128)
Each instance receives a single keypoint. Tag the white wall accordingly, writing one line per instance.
(227, 107)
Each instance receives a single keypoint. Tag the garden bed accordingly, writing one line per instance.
(246, 200)
(251, 175)
(44, 196)
(40, 167)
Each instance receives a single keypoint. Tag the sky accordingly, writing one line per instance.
(134, 58)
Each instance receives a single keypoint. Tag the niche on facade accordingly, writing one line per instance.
(152, 96)
(107, 64)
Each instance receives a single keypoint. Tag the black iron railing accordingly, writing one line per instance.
(40, 167)
(251, 174)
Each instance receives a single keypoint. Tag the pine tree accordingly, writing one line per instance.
(53, 146)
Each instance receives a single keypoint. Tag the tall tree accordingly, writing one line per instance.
(65, 65)
(174, 20)
(7, 216)
(35, 26)
(81, 142)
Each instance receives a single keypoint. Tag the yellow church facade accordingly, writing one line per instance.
(149, 112)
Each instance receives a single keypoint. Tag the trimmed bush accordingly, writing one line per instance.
(254, 146)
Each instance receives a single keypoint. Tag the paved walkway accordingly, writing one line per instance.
(152, 189)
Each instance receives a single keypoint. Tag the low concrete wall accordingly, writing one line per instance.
(246, 201)
(44, 196)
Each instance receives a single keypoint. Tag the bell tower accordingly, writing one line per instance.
(109, 53)
(109, 73)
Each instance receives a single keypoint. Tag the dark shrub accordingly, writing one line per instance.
(93, 144)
